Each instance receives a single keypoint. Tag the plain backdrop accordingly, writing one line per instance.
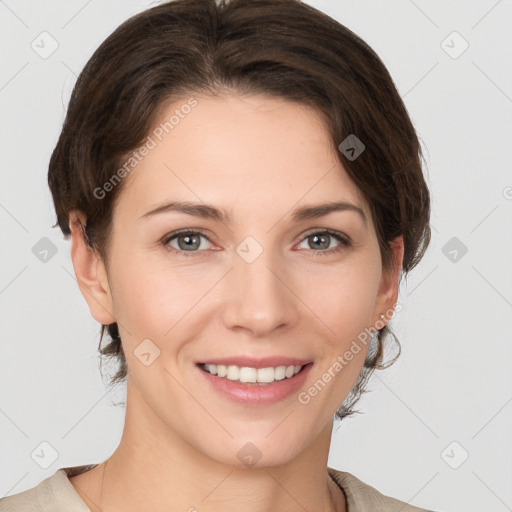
(436, 426)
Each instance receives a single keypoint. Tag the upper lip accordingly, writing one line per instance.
(256, 362)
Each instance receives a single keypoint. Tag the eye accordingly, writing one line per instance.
(323, 240)
(187, 242)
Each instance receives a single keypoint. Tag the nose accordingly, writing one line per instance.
(259, 297)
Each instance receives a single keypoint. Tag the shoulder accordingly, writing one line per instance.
(362, 497)
(53, 494)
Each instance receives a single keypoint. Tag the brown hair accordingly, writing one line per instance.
(282, 48)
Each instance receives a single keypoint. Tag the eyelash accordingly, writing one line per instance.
(344, 240)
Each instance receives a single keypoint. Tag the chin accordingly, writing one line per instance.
(254, 452)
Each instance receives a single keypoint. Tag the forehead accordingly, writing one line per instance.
(239, 152)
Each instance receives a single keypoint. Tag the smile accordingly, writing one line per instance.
(247, 374)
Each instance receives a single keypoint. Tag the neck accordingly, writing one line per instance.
(154, 469)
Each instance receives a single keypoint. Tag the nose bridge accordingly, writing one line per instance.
(258, 299)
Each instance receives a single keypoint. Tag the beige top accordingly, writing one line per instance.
(57, 494)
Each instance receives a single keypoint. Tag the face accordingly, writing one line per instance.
(246, 273)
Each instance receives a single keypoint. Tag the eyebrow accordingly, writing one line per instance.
(210, 212)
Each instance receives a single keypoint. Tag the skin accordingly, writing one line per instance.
(259, 158)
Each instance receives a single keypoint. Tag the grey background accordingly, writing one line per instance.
(452, 383)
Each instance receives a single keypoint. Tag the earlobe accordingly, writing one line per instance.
(90, 272)
(389, 285)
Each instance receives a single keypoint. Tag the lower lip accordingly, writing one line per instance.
(254, 394)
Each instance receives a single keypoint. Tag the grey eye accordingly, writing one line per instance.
(189, 241)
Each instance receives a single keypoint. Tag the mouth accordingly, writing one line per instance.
(259, 385)
(253, 376)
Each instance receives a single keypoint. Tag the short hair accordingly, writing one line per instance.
(281, 48)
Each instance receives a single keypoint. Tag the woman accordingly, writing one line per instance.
(243, 190)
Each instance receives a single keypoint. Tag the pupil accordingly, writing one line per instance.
(190, 241)
(317, 238)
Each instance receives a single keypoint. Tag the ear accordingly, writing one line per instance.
(90, 272)
(388, 289)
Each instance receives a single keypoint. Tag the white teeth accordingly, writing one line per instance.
(254, 375)
(280, 372)
(265, 375)
(233, 373)
(248, 374)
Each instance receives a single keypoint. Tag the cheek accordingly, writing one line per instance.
(151, 297)
(343, 297)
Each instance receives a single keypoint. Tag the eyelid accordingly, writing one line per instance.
(334, 232)
(344, 241)
(175, 234)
